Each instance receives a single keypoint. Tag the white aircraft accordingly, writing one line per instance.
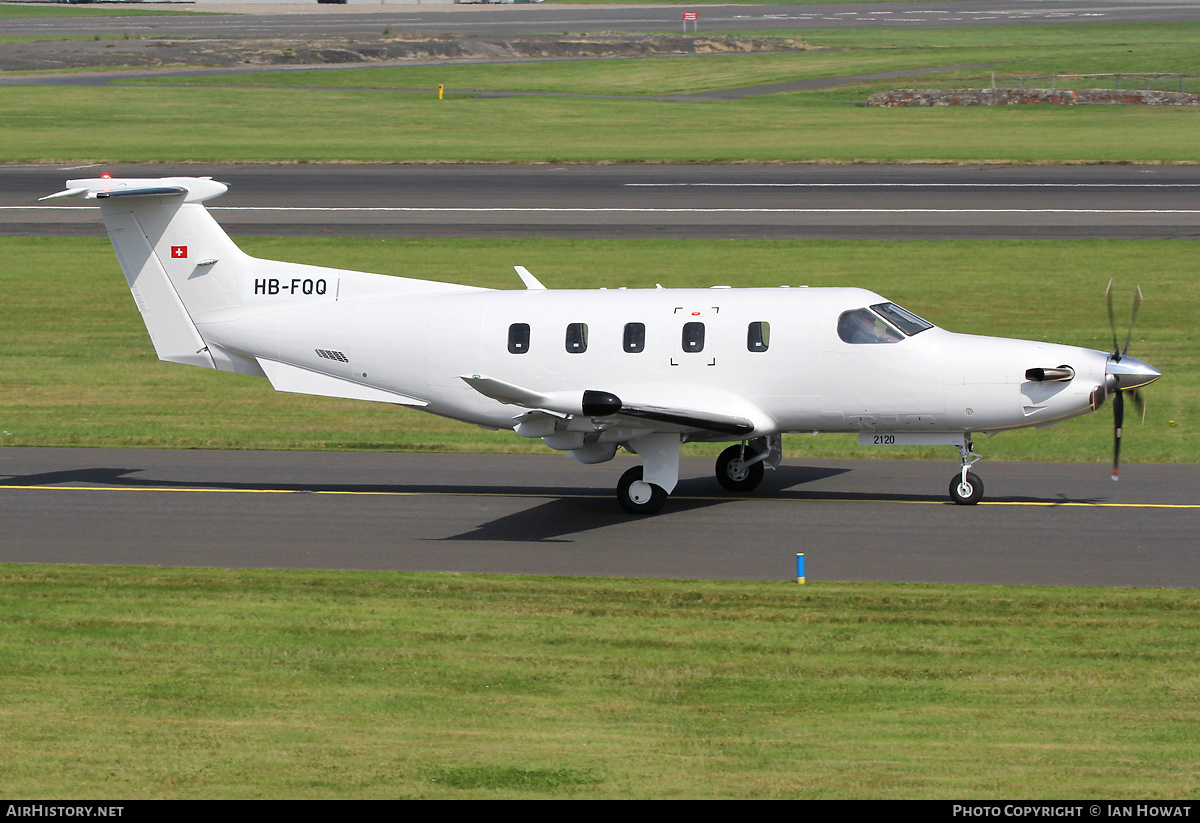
(590, 371)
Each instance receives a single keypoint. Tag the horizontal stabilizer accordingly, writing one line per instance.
(149, 191)
(194, 189)
(288, 378)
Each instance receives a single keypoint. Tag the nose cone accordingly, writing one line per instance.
(1130, 372)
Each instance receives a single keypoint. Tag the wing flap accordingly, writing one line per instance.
(690, 419)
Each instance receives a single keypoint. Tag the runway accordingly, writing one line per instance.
(1040, 523)
(733, 200)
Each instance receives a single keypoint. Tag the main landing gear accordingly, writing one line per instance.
(644, 489)
(966, 489)
(637, 496)
(740, 468)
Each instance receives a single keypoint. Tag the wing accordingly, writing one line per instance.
(685, 409)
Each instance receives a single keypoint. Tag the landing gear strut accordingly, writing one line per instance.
(966, 489)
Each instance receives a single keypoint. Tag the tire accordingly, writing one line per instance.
(734, 475)
(645, 498)
(966, 494)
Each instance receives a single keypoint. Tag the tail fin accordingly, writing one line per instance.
(188, 277)
(178, 261)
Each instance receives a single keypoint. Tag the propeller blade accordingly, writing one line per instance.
(1123, 374)
(1140, 402)
(1118, 421)
(1137, 301)
(1112, 322)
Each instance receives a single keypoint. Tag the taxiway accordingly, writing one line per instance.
(877, 520)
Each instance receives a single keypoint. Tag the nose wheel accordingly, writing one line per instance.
(966, 489)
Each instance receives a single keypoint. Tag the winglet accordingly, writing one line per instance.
(528, 279)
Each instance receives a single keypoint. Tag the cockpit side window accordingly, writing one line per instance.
(902, 318)
(864, 326)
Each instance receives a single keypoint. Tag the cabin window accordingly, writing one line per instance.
(864, 326)
(518, 338)
(635, 337)
(693, 337)
(577, 334)
(902, 318)
(758, 336)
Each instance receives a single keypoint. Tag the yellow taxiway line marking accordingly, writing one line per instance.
(1045, 503)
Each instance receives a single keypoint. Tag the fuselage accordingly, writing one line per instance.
(780, 350)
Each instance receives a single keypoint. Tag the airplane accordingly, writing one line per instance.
(591, 371)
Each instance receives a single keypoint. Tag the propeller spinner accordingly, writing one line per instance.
(1124, 374)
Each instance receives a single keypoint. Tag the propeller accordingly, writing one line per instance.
(1124, 374)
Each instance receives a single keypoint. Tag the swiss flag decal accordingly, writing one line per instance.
(179, 252)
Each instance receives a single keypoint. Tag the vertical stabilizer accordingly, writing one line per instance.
(179, 263)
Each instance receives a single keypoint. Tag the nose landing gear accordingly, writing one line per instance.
(966, 489)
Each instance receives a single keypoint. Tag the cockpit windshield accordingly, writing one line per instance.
(879, 324)
(902, 318)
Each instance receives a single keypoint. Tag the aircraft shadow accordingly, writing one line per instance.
(552, 521)
(124, 478)
(777, 483)
(566, 512)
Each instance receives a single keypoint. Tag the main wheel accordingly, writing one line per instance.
(734, 474)
(637, 496)
(968, 493)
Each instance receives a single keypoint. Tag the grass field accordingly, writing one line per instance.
(171, 125)
(1035, 50)
(347, 119)
(174, 683)
(78, 368)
